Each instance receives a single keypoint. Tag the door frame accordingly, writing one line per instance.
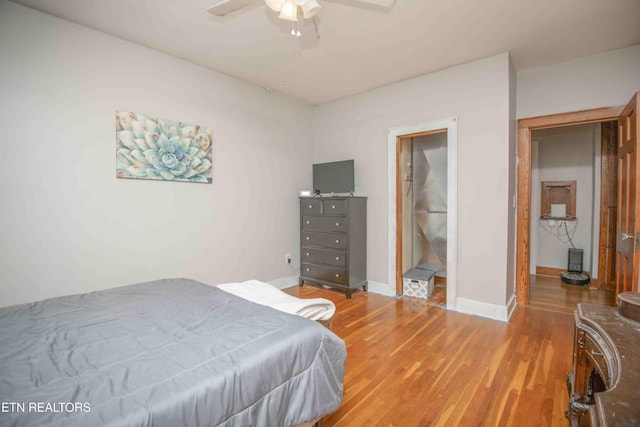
(525, 127)
(609, 180)
(394, 214)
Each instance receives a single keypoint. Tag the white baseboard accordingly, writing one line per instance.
(285, 282)
(374, 287)
(483, 309)
(381, 289)
(463, 305)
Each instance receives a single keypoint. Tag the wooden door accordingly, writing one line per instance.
(608, 208)
(628, 244)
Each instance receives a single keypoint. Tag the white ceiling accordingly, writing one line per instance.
(360, 48)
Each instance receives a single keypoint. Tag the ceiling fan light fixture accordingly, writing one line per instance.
(275, 5)
(309, 8)
(289, 11)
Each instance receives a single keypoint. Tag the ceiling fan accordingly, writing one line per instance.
(288, 9)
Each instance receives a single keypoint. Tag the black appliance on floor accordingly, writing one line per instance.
(574, 274)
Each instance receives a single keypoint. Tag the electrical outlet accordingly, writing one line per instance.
(287, 258)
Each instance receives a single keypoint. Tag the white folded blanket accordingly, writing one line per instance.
(265, 294)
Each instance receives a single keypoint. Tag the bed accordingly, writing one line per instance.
(172, 352)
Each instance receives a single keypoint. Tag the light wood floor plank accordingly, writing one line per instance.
(411, 363)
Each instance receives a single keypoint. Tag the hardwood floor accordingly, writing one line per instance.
(549, 293)
(411, 363)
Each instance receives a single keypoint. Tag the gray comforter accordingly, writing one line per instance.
(164, 353)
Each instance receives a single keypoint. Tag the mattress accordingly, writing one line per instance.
(171, 352)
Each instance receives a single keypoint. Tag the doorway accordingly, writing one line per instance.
(423, 175)
(525, 214)
(585, 156)
(577, 161)
(423, 221)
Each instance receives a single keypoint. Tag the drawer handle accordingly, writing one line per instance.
(308, 238)
(310, 206)
(333, 206)
(307, 269)
(337, 275)
(307, 253)
(337, 258)
(337, 224)
(337, 241)
(308, 222)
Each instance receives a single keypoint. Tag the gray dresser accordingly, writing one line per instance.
(333, 242)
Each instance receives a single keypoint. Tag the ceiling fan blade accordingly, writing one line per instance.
(374, 5)
(381, 3)
(225, 7)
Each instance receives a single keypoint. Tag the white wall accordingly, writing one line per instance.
(67, 225)
(603, 80)
(511, 201)
(478, 95)
(565, 154)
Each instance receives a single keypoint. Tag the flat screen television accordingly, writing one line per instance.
(333, 177)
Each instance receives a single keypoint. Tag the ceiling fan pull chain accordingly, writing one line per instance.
(295, 29)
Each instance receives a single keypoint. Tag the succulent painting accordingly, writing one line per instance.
(148, 147)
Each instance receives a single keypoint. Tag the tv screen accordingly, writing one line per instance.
(333, 177)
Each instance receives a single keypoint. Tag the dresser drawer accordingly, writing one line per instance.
(321, 256)
(325, 240)
(334, 207)
(328, 274)
(324, 223)
(597, 356)
(311, 206)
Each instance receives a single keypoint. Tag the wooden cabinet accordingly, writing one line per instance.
(603, 383)
(333, 242)
(561, 193)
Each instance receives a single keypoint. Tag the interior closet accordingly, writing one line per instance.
(424, 206)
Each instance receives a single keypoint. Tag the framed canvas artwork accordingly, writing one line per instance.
(148, 147)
